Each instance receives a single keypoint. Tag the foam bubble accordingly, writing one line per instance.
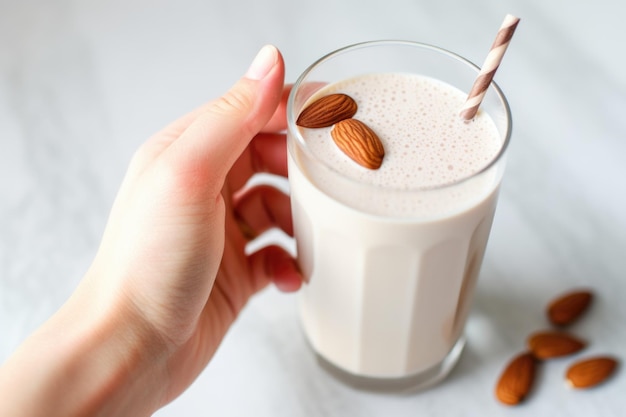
(426, 142)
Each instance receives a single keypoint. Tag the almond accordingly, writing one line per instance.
(327, 111)
(590, 372)
(551, 344)
(359, 142)
(567, 308)
(517, 379)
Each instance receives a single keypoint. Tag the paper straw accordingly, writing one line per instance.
(489, 67)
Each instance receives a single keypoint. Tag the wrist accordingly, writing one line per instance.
(87, 361)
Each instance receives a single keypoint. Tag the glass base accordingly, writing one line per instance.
(408, 384)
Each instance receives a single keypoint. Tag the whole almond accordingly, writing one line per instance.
(551, 344)
(517, 379)
(359, 142)
(327, 111)
(567, 308)
(590, 372)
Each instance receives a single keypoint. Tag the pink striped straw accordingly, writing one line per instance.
(488, 70)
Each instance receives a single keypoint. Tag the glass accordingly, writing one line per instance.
(389, 281)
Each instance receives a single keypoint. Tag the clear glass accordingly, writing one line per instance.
(389, 283)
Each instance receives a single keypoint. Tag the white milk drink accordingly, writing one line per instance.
(392, 255)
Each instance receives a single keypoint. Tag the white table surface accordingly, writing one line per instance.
(83, 83)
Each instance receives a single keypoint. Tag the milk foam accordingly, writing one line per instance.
(426, 143)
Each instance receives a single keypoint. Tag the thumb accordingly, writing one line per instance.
(208, 147)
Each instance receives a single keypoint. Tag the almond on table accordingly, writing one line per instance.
(569, 307)
(590, 372)
(517, 379)
(552, 344)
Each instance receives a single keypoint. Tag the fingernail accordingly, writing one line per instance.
(263, 63)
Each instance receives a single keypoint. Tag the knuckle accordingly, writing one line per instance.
(235, 100)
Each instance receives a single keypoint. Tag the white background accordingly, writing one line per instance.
(83, 83)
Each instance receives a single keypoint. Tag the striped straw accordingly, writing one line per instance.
(489, 67)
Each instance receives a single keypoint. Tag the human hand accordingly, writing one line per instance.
(171, 275)
(173, 240)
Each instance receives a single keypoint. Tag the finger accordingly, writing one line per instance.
(208, 147)
(273, 264)
(269, 154)
(262, 208)
(278, 122)
(155, 145)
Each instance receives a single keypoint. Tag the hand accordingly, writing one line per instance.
(171, 275)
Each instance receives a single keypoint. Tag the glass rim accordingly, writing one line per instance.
(293, 128)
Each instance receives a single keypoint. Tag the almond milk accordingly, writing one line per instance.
(391, 256)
